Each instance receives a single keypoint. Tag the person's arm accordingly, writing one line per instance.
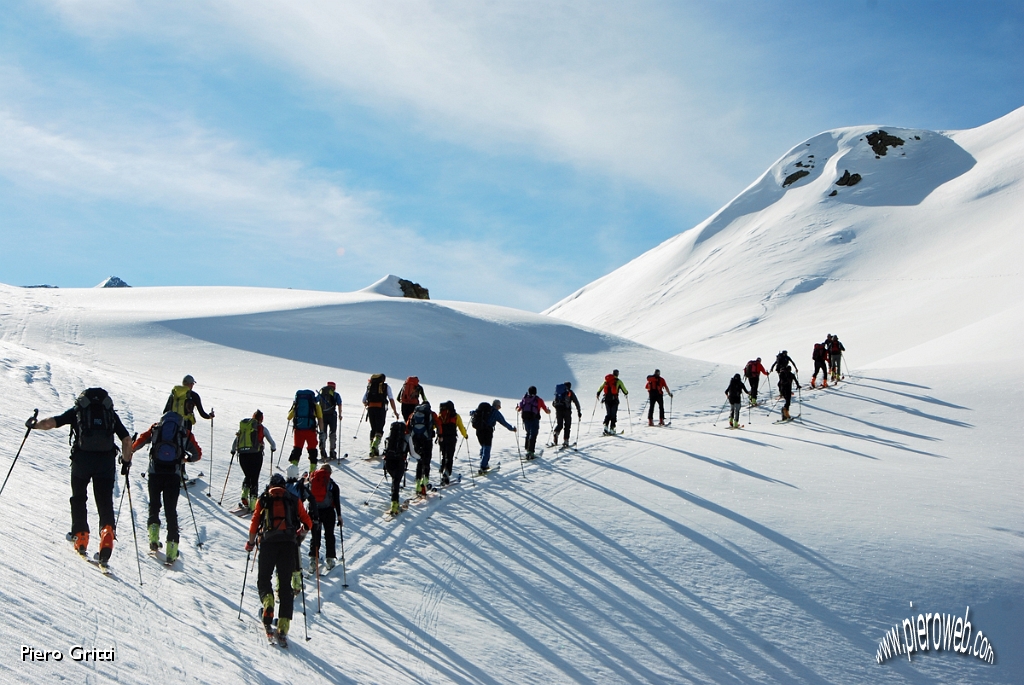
(254, 525)
(143, 439)
(194, 449)
(423, 393)
(412, 448)
(319, 417)
(336, 496)
(270, 438)
(291, 412)
(304, 517)
(461, 427)
(501, 419)
(579, 411)
(622, 387)
(540, 403)
(199, 406)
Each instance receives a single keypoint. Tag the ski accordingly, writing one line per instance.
(491, 469)
(608, 434)
(93, 560)
(454, 481)
(281, 640)
(404, 506)
(162, 558)
(734, 427)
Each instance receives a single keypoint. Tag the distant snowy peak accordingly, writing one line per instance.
(112, 282)
(879, 230)
(393, 286)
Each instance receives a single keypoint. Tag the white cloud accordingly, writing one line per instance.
(602, 86)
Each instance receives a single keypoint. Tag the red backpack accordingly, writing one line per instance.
(410, 391)
(611, 385)
(320, 488)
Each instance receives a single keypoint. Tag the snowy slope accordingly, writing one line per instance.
(926, 244)
(777, 553)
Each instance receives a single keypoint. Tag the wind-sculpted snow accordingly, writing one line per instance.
(431, 341)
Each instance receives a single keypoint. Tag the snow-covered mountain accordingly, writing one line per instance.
(922, 247)
(690, 553)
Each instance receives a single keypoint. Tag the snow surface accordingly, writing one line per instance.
(779, 553)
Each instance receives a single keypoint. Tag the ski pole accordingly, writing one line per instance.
(284, 441)
(305, 627)
(671, 404)
(28, 429)
(720, 413)
(521, 467)
(118, 517)
(578, 422)
(135, 535)
(800, 402)
(317, 563)
(225, 488)
(629, 415)
(772, 408)
(245, 577)
(367, 502)
(188, 498)
(469, 459)
(591, 421)
(359, 425)
(210, 489)
(344, 571)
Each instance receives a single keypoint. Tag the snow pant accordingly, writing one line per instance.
(281, 555)
(100, 469)
(376, 416)
(531, 424)
(448, 444)
(819, 366)
(485, 436)
(754, 382)
(304, 437)
(836, 362)
(407, 410)
(787, 395)
(323, 518)
(168, 486)
(734, 415)
(563, 416)
(611, 408)
(397, 475)
(329, 438)
(251, 465)
(659, 399)
(425, 448)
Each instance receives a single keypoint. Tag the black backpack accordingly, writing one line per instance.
(395, 448)
(376, 389)
(169, 438)
(94, 421)
(480, 417)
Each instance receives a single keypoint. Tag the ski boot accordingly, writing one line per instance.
(81, 542)
(650, 422)
(296, 581)
(106, 544)
(394, 508)
(331, 562)
(283, 625)
(172, 551)
(154, 537)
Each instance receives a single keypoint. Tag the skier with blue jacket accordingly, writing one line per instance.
(483, 420)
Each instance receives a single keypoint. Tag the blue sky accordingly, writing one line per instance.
(498, 152)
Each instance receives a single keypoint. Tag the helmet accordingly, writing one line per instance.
(277, 480)
(532, 390)
(188, 380)
(568, 385)
(331, 385)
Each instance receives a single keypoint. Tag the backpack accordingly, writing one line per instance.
(530, 407)
(376, 390)
(561, 396)
(819, 352)
(837, 346)
(280, 519)
(395, 447)
(410, 391)
(748, 370)
(654, 384)
(421, 421)
(94, 421)
(320, 488)
(168, 438)
(611, 385)
(781, 359)
(250, 440)
(328, 400)
(305, 410)
(179, 400)
(480, 418)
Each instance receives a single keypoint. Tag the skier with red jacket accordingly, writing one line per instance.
(752, 372)
(656, 389)
(530, 408)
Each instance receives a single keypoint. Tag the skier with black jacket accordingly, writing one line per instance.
(375, 401)
(835, 355)
(734, 392)
(423, 426)
(782, 359)
(325, 511)
(396, 459)
(786, 381)
(564, 399)
(330, 406)
(94, 423)
(280, 522)
(448, 438)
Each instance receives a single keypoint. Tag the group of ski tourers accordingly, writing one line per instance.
(827, 357)
(291, 505)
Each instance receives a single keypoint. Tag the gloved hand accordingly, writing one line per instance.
(301, 535)
(579, 415)
(125, 467)
(31, 421)
(341, 521)
(212, 415)
(250, 545)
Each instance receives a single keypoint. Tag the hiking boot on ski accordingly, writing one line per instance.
(81, 542)
(106, 543)
(154, 536)
(331, 562)
(394, 508)
(172, 551)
